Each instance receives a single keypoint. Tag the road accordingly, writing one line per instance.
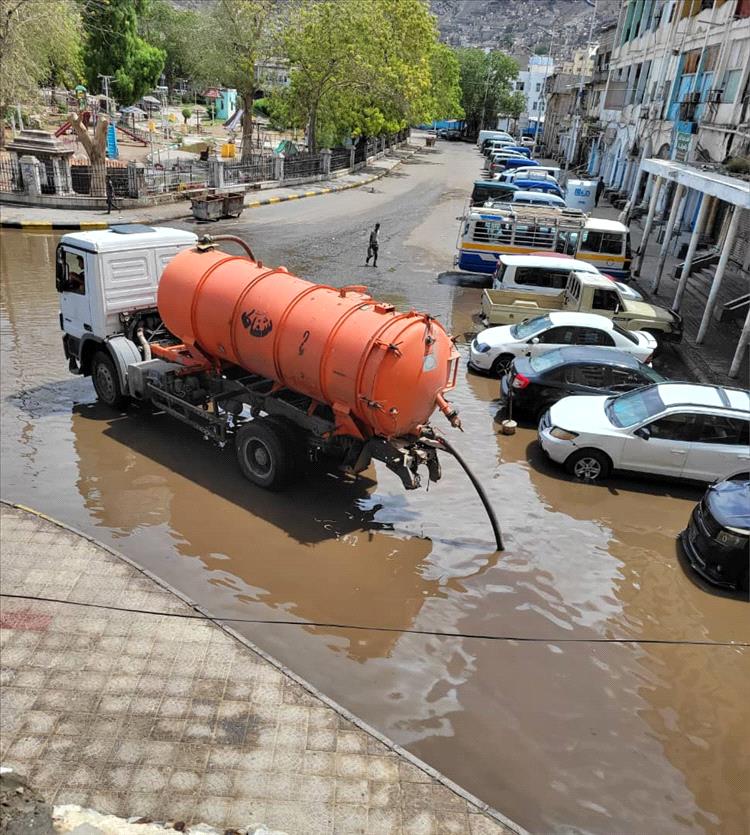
(560, 735)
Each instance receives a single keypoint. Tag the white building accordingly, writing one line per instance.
(530, 82)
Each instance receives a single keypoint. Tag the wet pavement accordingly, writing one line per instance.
(560, 735)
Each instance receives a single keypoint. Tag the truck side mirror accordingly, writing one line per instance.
(61, 271)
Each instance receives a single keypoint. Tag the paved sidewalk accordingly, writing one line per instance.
(30, 217)
(177, 719)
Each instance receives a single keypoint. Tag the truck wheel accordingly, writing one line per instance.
(588, 465)
(106, 381)
(264, 453)
(501, 365)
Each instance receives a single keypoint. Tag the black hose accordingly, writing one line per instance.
(478, 487)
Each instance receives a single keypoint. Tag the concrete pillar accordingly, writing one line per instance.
(677, 204)
(706, 201)
(136, 179)
(721, 267)
(744, 340)
(325, 161)
(61, 175)
(215, 173)
(32, 182)
(278, 168)
(641, 254)
(352, 151)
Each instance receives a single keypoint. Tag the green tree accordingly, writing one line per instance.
(445, 87)
(114, 47)
(39, 41)
(486, 86)
(237, 37)
(177, 32)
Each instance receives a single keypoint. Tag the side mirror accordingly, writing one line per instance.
(61, 275)
(643, 432)
(533, 341)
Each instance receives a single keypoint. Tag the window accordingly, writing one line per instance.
(677, 427)
(592, 376)
(75, 274)
(625, 334)
(519, 85)
(530, 328)
(609, 243)
(718, 429)
(626, 378)
(558, 336)
(540, 277)
(538, 86)
(546, 361)
(592, 336)
(631, 408)
(730, 85)
(606, 300)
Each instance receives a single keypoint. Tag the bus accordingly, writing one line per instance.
(487, 233)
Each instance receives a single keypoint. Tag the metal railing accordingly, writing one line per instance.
(180, 177)
(303, 165)
(11, 179)
(81, 177)
(340, 158)
(253, 171)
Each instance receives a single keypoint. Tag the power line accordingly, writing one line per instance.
(405, 631)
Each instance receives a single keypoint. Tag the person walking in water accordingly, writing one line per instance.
(372, 246)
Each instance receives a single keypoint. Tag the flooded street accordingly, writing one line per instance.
(563, 733)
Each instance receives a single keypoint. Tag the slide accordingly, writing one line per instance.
(129, 133)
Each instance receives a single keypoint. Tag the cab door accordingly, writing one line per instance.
(74, 280)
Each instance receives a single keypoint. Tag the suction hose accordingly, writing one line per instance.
(433, 439)
(209, 242)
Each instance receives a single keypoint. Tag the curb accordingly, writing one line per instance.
(480, 805)
(86, 225)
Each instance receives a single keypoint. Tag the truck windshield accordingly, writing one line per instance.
(633, 407)
(523, 330)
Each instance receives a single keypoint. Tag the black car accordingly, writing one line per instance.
(533, 384)
(717, 539)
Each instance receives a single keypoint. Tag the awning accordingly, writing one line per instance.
(729, 189)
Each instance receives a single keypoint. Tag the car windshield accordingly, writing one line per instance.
(523, 330)
(546, 361)
(634, 407)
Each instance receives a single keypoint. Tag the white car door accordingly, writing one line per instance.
(720, 448)
(660, 446)
(549, 340)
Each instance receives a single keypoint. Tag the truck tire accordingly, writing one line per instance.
(106, 381)
(265, 453)
(588, 465)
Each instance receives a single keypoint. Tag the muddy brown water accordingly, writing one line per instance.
(560, 736)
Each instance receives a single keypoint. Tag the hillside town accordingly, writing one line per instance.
(376, 417)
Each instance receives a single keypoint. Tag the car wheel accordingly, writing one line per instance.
(106, 382)
(588, 465)
(501, 365)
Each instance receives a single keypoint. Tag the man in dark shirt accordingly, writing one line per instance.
(110, 195)
(372, 247)
(599, 190)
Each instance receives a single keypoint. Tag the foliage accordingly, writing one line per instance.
(237, 36)
(39, 42)
(177, 32)
(363, 68)
(113, 47)
(512, 104)
(486, 88)
(187, 112)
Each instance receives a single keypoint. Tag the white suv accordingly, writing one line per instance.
(683, 430)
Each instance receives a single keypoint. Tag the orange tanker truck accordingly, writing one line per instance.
(292, 371)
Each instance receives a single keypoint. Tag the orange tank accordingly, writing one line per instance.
(383, 372)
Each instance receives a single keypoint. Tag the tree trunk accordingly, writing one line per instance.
(312, 132)
(2, 127)
(96, 151)
(247, 126)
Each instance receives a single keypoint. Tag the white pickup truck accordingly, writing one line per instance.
(585, 293)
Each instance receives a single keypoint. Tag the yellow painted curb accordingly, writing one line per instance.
(274, 200)
(254, 204)
(294, 197)
(36, 224)
(94, 224)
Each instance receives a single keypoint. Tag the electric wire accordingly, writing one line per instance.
(527, 639)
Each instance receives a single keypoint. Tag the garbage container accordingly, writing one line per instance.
(207, 207)
(430, 141)
(233, 204)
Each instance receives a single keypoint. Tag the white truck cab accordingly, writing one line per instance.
(105, 278)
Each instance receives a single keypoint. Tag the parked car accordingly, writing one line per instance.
(494, 349)
(485, 190)
(538, 197)
(683, 430)
(527, 272)
(533, 384)
(505, 162)
(717, 538)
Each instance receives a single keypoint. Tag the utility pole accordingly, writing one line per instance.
(543, 97)
(105, 83)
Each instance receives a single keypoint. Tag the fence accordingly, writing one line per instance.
(303, 165)
(81, 179)
(252, 171)
(179, 177)
(340, 159)
(10, 176)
